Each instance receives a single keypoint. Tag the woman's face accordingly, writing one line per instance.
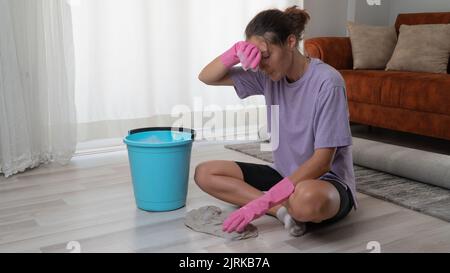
(275, 60)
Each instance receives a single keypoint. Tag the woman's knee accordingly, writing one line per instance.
(202, 172)
(304, 207)
(312, 202)
(205, 170)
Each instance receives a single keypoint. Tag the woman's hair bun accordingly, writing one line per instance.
(299, 18)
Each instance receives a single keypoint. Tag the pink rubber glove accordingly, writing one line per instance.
(250, 56)
(245, 53)
(238, 220)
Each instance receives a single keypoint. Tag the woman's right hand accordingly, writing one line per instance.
(216, 72)
(242, 52)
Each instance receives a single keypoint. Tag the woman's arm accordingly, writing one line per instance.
(313, 168)
(215, 73)
(317, 165)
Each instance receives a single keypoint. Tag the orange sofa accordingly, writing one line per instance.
(414, 102)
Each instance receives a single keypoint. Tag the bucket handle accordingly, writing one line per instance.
(179, 129)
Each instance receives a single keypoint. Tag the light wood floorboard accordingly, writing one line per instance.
(91, 201)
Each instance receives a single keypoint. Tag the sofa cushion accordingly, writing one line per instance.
(372, 46)
(421, 19)
(422, 48)
(428, 92)
(363, 85)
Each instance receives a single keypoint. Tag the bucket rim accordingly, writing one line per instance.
(178, 129)
(149, 129)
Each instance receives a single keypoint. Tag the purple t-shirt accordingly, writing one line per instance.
(313, 113)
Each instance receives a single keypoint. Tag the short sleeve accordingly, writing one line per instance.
(247, 83)
(331, 119)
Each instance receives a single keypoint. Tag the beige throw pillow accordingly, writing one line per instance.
(422, 48)
(372, 46)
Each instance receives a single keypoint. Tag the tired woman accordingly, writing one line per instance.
(312, 179)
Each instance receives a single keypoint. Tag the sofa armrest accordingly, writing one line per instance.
(335, 51)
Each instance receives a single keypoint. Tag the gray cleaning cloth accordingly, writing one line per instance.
(209, 219)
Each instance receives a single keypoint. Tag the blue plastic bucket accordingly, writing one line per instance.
(159, 161)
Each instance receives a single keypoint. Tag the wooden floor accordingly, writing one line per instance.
(91, 201)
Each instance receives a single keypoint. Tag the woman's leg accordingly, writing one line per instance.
(225, 181)
(314, 201)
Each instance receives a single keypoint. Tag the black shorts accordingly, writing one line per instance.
(263, 177)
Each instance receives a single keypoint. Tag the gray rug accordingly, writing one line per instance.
(424, 198)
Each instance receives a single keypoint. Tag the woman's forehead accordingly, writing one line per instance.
(259, 42)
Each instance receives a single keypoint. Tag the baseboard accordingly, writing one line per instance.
(204, 136)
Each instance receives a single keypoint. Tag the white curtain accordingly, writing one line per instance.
(138, 59)
(37, 104)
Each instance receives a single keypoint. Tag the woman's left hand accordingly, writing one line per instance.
(238, 220)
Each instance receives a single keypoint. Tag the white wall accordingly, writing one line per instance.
(411, 6)
(387, 11)
(360, 11)
(328, 17)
